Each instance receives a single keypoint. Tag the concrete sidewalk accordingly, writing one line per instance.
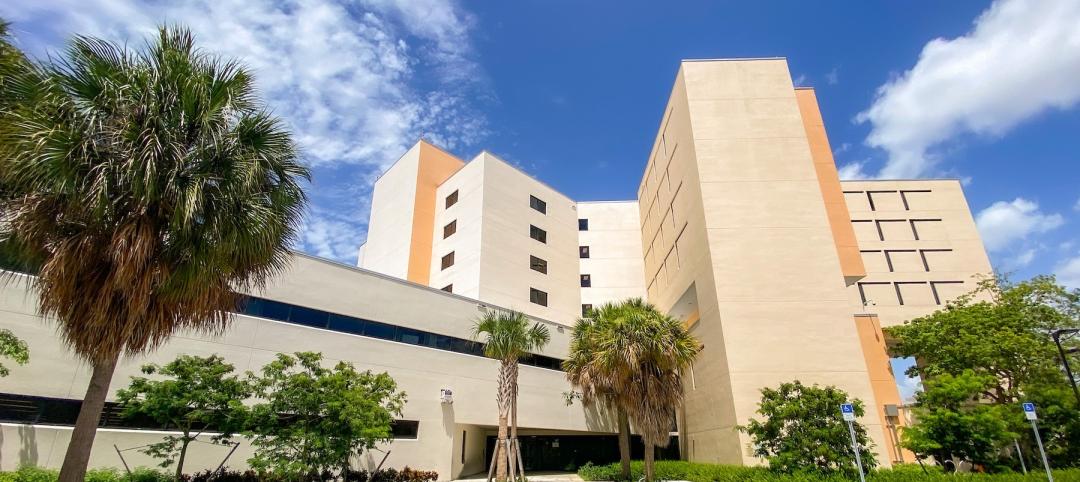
(532, 476)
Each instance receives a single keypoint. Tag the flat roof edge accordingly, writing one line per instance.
(907, 179)
(733, 59)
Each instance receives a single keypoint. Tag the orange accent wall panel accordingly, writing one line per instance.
(847, 247)
(436, 166)
(883, 382)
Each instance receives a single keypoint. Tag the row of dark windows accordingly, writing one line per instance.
(29, 409)
(300, 315)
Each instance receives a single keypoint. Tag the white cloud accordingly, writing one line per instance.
(799, 81)
(1019, 260)
(833, 76)
(1021, 58)
(1076, 207)
(358, 81)
(853, 171)
(1004, 223)
(1068, 272)
(339, 73)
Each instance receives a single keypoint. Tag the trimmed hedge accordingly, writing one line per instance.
(34, 474)
(698, 472)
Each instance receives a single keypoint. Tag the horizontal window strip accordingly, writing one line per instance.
(34, 410)
(299, 315)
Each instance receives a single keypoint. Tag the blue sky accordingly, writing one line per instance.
(572, 91)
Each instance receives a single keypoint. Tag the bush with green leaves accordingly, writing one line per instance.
(196, 393)
(13, 348)
(999, 332)
(35, 474)
(803, 430)
(702, 472)
(314, 419)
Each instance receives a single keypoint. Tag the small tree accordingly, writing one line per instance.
(198, 394)
(14, 348)
(803, 430)
(314, 419)
(954, 422)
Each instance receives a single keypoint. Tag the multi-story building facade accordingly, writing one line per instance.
(741, 229)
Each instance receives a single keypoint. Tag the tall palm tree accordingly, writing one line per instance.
(507, 337)
(150, 186)
(633, 356)
(596, 385)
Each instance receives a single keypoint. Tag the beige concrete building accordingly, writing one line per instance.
(740, 228)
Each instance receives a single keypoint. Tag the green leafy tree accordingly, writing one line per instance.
(314, 419)
(13, 348)
(1001, 332)
(507, 337)
(150, 186)
(954, 422)
(803, 430)
(198, 393)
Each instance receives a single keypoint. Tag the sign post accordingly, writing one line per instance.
(1029, 412)
(848, 411)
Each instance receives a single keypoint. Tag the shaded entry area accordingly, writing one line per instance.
(568, 452)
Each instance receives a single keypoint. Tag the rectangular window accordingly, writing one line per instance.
(538, 264)
(582, 224)
(583, 251)
(538, 234)
(451, 199)
(538, 297)
(449, 229)
(586, 281)
(585, 309)
(537, 204)
(448, 260)
(448, 288)
(406, 429)
(464, 436)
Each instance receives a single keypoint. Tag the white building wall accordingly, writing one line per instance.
(251, 342)
(468, 212)
(505, 275)
(615, 265)
(393, 203)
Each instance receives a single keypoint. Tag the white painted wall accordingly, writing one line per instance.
(505, 276)
(393, 203)
(616, 262)
(251, 342)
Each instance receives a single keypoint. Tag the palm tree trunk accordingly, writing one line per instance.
(513, 419)
(504, 401)
(624, 443)
(650, 454)
(82, 437)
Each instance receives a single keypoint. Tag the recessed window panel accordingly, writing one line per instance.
(378, 330)
(449, 229)
(346, 324)
(308, 317)
(537, 234)
(583, 251)
(583, 224)
(538, 297)
(448, 260)
(537, 264)
(537, 204)
(586, 280)
(451, 199)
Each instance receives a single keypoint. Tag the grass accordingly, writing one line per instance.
(699, 472)
(35, 474)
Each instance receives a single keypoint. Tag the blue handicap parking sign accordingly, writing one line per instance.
(848, 408)
(1029, 407)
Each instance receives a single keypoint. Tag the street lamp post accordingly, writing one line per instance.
(1065, 359)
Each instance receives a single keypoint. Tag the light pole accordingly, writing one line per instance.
(1065, 359)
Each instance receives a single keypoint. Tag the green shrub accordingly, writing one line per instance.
(35, 474)
(699, 472)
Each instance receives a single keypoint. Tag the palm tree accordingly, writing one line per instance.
(507, 338)
(151, 186)
(597, 386)
(632, 356)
